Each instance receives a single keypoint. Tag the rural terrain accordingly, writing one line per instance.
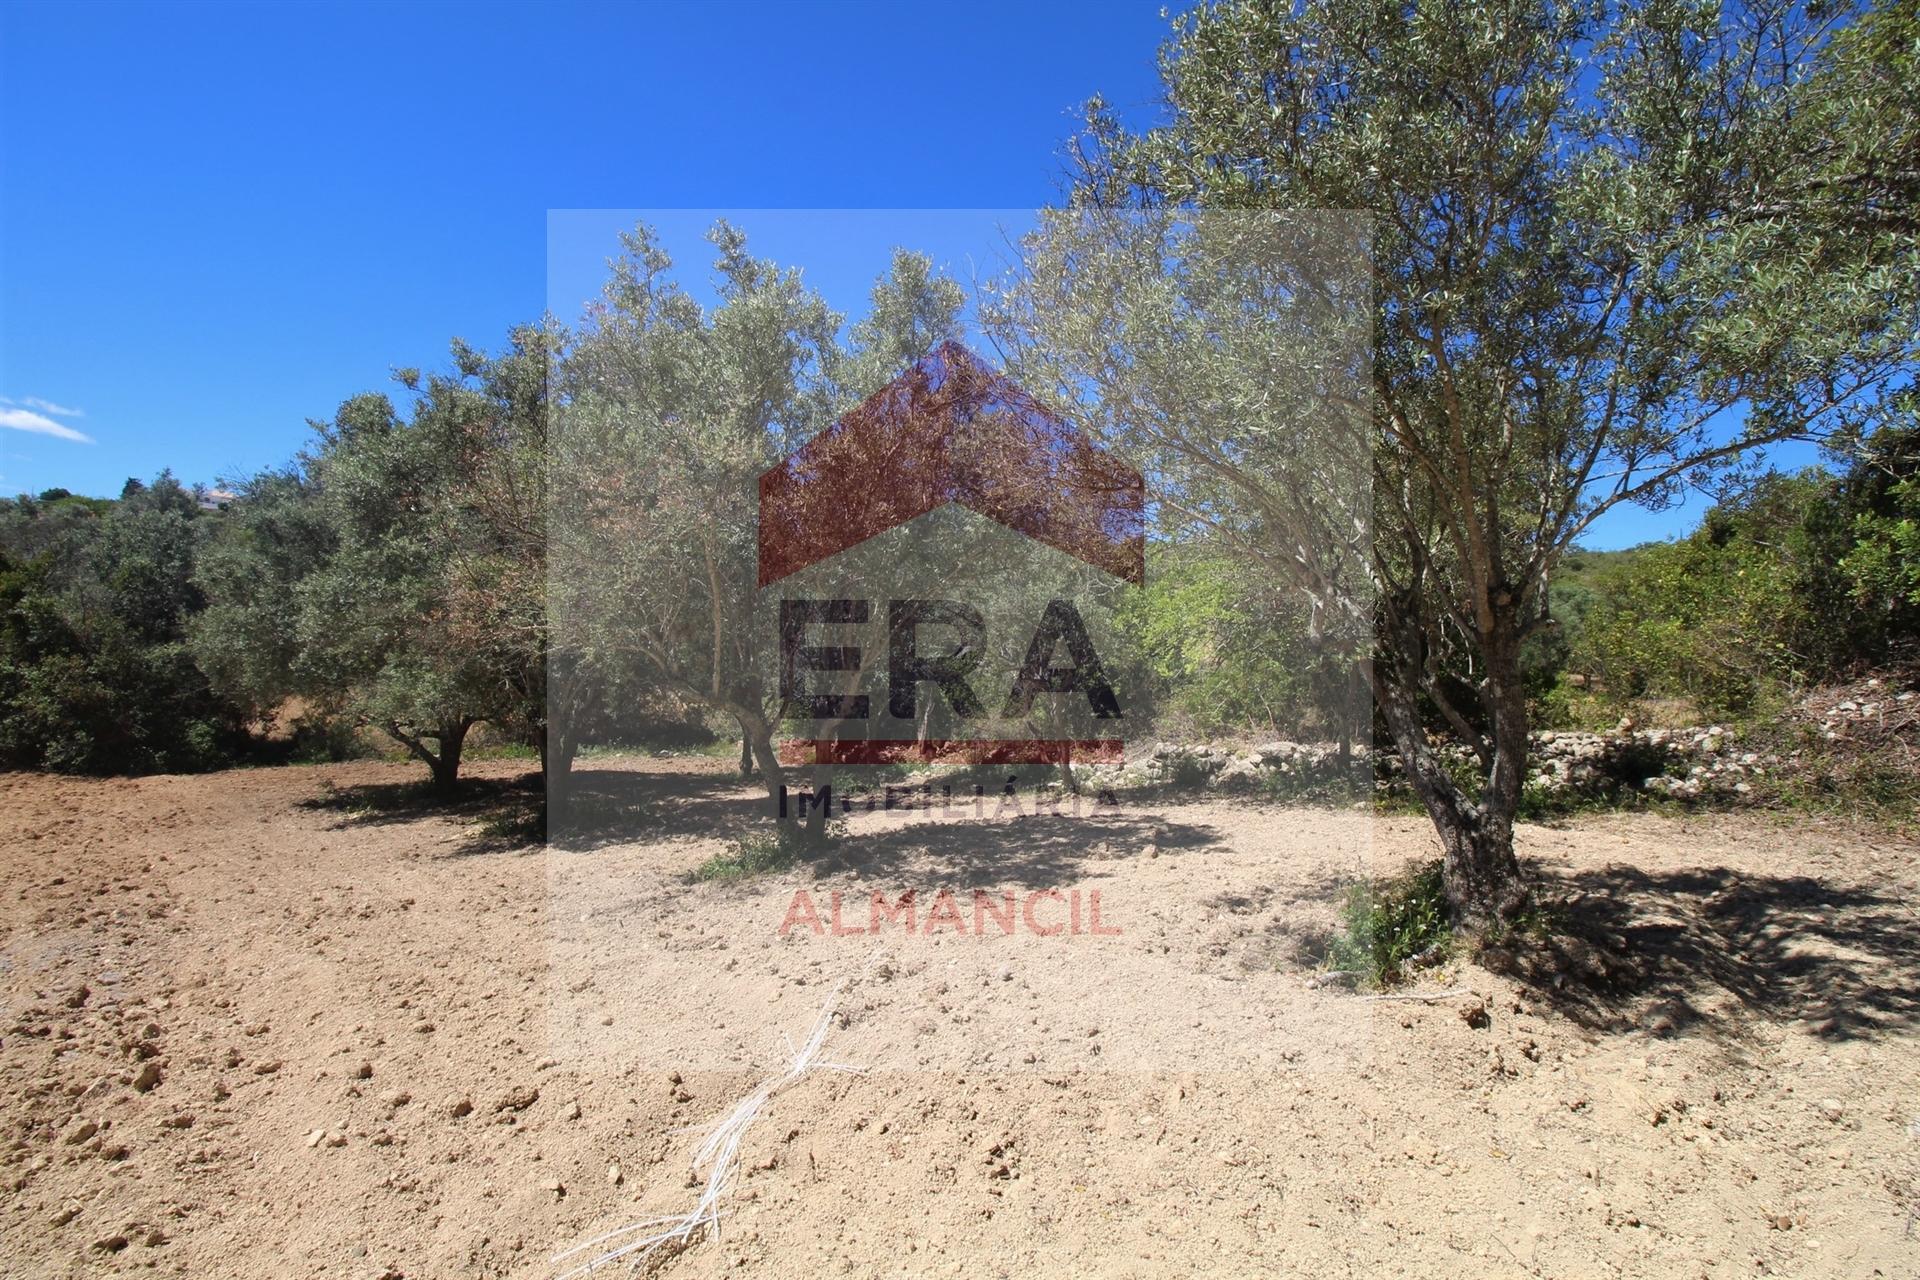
(295, 1022)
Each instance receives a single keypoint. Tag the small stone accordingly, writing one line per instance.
(557, 1187)
(79, 1131)
(460, 1107)
(396, 1098)
(572, 1112)
(363, 1072)
(614, 1176)
(1475, 1015)
(1831, 1111)
(66, 1214)
(110, 1244)
(518, 1098)
(155, 1238)
(147, 1077)
(315, 1138)
(269, 1068)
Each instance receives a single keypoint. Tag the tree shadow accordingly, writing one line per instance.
(1034, 851)
(602, 807)
(505, 815)
(489, 801)
(1695, 950)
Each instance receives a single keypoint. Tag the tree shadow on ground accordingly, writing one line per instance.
(505, 811)
(603, 806)
(1035, 851)
(1696, 950)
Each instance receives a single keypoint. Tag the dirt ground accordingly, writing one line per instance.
(291, 1022)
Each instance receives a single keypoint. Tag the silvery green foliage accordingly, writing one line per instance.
(394, 573)
(1612, 250)
(667, 413)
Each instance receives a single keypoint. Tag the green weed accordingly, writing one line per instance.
(1389, 922)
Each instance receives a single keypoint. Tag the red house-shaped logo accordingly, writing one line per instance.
(951, 429)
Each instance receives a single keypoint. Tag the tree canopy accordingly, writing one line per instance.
(1607, 261)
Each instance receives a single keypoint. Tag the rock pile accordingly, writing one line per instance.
(1243, 768)
(1868, 710)
(1684, 763)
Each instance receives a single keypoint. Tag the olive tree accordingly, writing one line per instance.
(377, 632)
(485, 425)
(393, 574)
(667, 414)
(1604, 265)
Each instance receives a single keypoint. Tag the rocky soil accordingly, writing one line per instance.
(286, 1022)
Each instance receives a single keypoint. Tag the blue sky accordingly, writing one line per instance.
(218, 221)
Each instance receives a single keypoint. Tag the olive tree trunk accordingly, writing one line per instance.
(1483, 879)
(443, 758)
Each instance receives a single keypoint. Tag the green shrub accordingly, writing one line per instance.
(1866, 780)
(755, 854)
(1389, 922)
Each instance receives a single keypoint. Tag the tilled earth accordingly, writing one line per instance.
(293, 1022)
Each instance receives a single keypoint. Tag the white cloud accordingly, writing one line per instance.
(57, 410)
(27, 420)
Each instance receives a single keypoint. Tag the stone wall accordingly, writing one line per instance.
(1703, 761)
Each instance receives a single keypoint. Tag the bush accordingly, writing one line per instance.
(95, 676)
(1213, 650)
(756, 854)
(1388, 923)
